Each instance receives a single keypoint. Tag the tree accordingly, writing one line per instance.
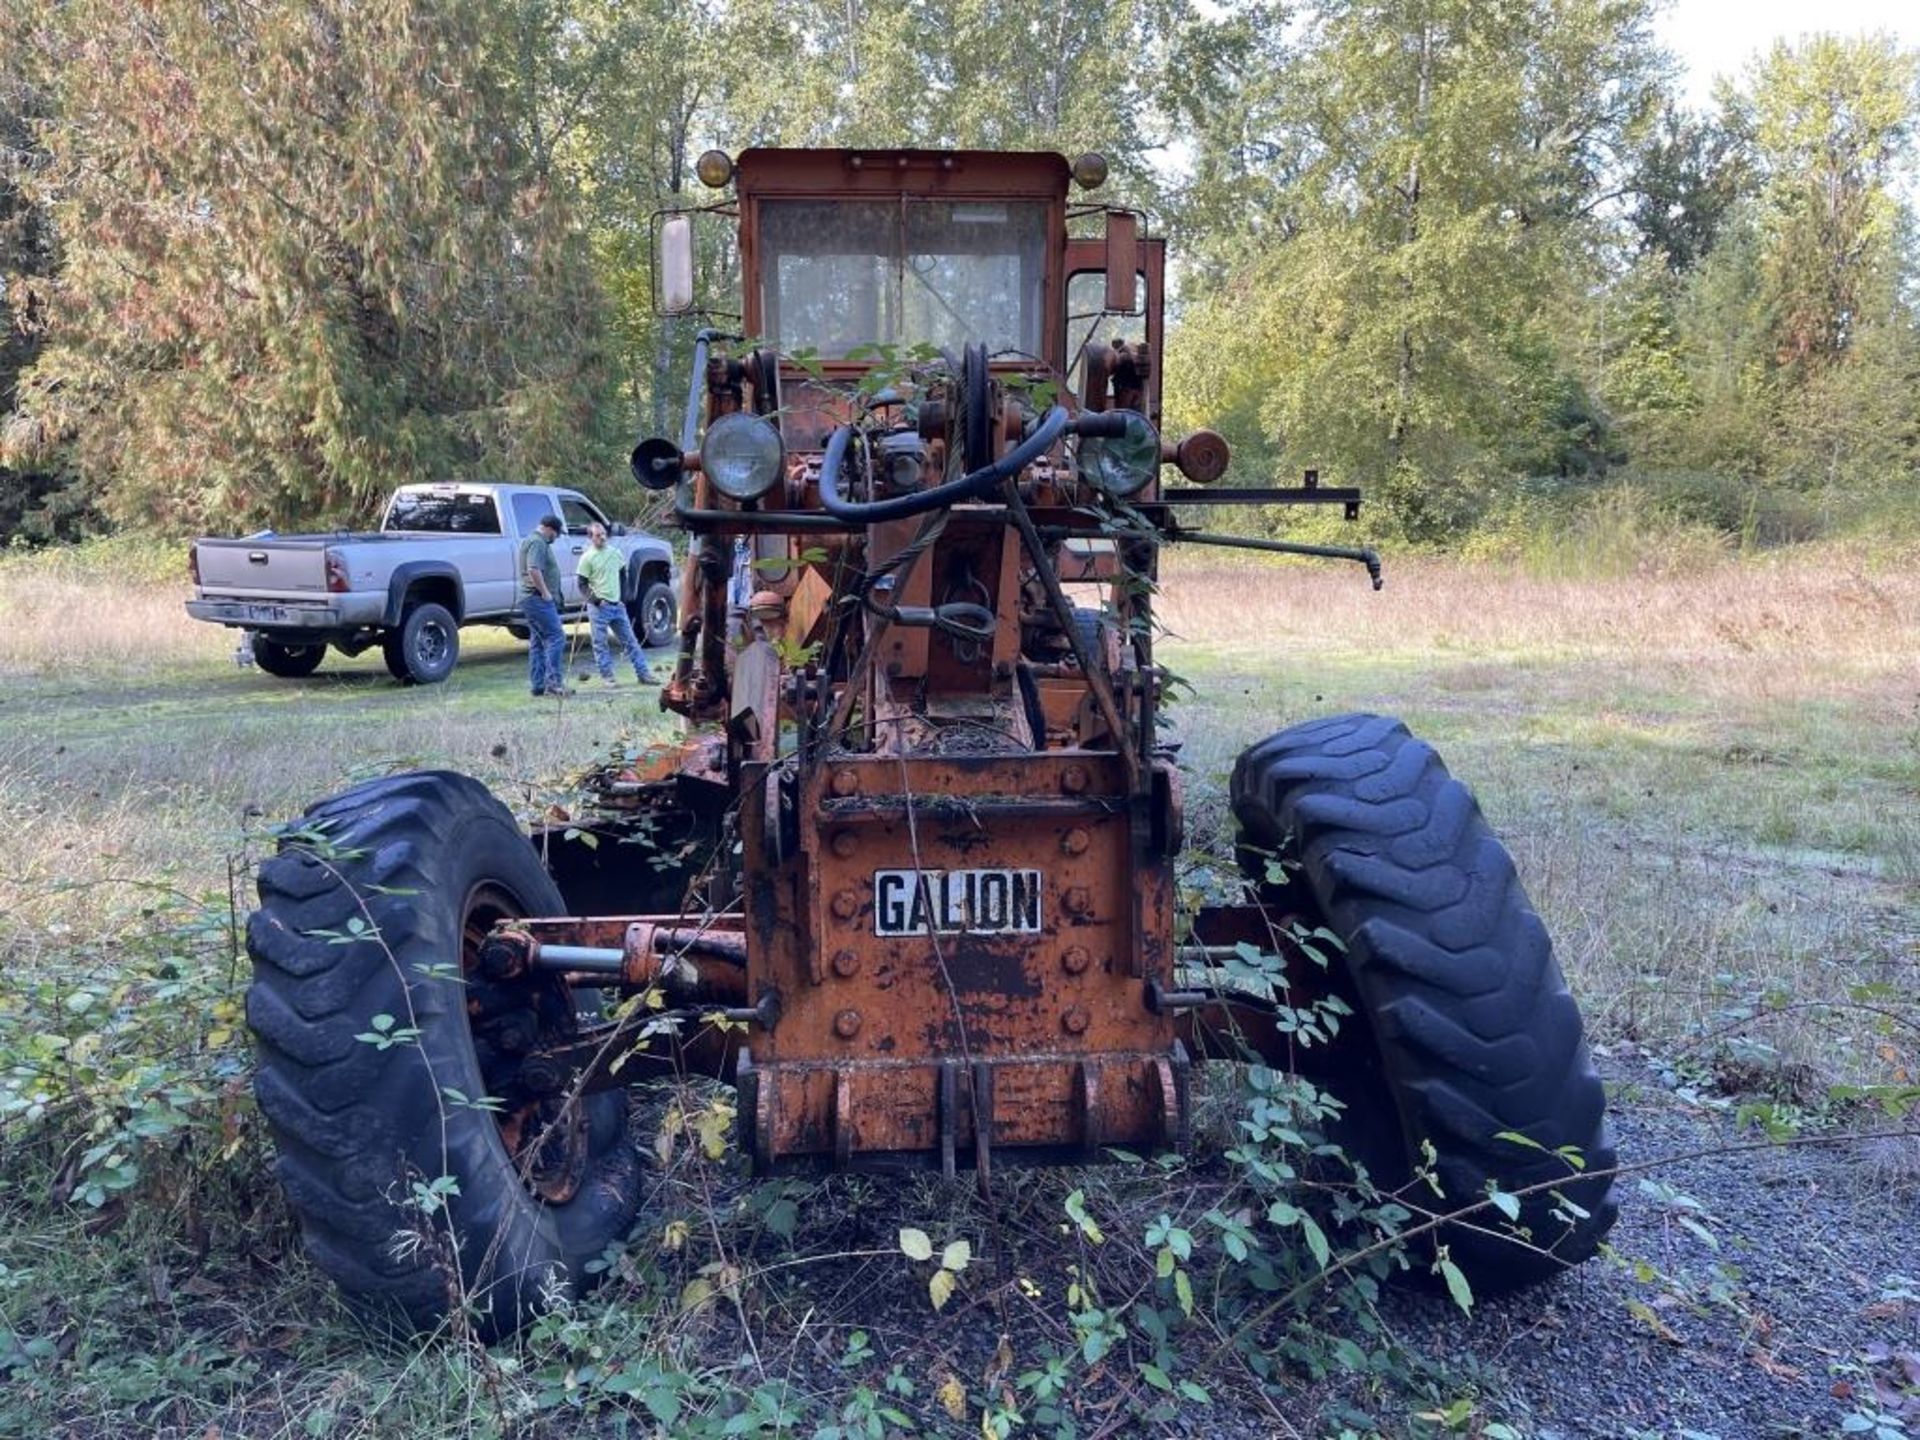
(37, 502)
(1798, 329)
(1450, 157)
(1830, 121)
(1689, 174)
(304, 258)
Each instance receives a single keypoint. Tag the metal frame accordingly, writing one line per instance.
(1015, 767)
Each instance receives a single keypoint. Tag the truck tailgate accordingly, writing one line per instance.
(279, 565)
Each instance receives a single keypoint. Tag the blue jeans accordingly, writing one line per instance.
(603, 616)
(546, 638)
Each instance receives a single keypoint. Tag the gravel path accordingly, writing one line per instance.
(1756, 1319)
(1769, 1335)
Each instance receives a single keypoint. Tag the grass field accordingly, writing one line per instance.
(1710, 779)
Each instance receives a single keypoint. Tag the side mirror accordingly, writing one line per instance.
(676, 264)
(1123, 258)
(616, 528)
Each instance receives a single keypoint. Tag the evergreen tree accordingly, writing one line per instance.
(303, 259)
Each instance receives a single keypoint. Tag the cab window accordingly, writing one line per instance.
(528, 508)
(1088, 319)
(579, 515)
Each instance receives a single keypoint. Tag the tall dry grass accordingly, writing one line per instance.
(102, 608)
(1784, 624)
(1709, 777)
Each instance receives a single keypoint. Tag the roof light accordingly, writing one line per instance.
(1090, 170)
(715, 168)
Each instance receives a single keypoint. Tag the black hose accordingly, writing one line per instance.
(968, 487)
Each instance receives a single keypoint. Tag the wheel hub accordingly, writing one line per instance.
(542, 1123)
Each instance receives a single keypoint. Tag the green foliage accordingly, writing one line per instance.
(301, 259)
(96, 1065)
(1441, 161)
(1449, 251)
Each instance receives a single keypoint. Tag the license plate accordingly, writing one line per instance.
(265, 612)
(956, 902)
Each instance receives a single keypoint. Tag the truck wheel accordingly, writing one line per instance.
(413, 1195)
(424, 650)
(1467, 1027)
(289, 662)
(653, 615)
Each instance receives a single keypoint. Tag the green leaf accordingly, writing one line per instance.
(1316, 1241)
(956, 1256)
(1507, 1205)
(1457, 1286)
(915, 1244)
(1077, 1212)
(1695, 1228)
(1514, 1137)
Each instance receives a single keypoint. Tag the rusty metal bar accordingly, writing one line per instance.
(1063, 616)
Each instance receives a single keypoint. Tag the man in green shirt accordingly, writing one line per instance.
(600, 571)
(540, 603)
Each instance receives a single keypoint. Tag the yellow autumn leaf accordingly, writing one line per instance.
(940, 1287)
(952, 1395)
(713, 1126)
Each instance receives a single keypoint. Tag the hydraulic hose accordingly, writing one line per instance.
(968, 487)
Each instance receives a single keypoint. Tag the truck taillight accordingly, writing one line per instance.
(336, 573)
(193, 563)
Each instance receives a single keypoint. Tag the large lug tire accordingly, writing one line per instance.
(420, 866)
(653, 614)
(1466, 1025)
(289, 662)
(425, 648)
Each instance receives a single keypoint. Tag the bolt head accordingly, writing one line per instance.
(1073, 779)
(846, 964)
(1075, 841)
(844, 844)
(1075, 960)
(847, 1024)
(845, 782)
(1075, 1019)
(1078, 900)
(846, 904)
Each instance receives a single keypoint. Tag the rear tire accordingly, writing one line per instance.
(653, 614)
(426, 647)
(424, 863)
(1469, 1028)
(288, 662)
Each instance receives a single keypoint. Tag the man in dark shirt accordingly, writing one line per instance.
(540, 603)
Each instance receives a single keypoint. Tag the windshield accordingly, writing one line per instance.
(839, 274)
(445, 512)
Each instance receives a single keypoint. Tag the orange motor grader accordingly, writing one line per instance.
(907, 881)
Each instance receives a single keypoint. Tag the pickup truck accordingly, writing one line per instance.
(445, 555)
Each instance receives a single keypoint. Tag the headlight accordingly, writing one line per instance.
(1124, 465)
(742, 455)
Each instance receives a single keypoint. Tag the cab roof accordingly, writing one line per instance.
(768, 170)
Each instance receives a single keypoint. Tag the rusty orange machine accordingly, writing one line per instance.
(908, 879)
